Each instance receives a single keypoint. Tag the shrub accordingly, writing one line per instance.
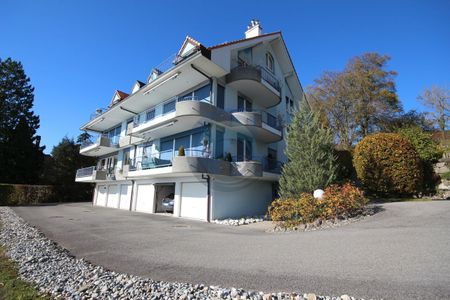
(429, 152)
(310, 152)
(181, 151)
(337, 201)
(21, 194)
(388, 164)
(342, 200)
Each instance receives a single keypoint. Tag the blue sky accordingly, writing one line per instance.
(78, 52)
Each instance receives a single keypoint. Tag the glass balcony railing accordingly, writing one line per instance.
(112, 141)
(162, 109)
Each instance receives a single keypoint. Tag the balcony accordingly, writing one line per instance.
(90, 174)
(200, 161)
(175, 115)
(259, 124)
(256, 82)
(100, 146)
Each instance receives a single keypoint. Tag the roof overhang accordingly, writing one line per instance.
(173, 82)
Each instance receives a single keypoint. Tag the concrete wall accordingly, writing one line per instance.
(238, 197)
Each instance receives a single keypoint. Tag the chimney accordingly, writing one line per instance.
(254, 29)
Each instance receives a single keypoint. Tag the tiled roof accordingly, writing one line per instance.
(242, 40)
(121, 94)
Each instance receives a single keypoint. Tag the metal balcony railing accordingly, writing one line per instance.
(266, 117)
(262, 71)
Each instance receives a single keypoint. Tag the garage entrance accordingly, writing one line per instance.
(164, 197)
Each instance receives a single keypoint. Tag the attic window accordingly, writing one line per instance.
(269, 62)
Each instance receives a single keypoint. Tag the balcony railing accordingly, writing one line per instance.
(113, 140)
(162, 109)
(254, 70)
(266, 117)
(85, 172)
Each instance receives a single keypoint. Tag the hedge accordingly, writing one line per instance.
(22, 194)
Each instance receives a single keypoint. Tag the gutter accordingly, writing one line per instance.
(208, 182)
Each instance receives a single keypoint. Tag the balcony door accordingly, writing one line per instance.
(244, 104)
(244, 148)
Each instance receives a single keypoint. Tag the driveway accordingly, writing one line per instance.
(402, 252)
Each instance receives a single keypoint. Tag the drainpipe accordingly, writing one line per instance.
(208, 182)
(207, 76)
(132, 192)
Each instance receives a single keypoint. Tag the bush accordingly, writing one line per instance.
(387, 164)
(337, 201)
(429, 152)
(21, 194)
(181, 151)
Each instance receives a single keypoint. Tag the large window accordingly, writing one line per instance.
(219, 143)
(169, 107)
(114, 135)
(244, 148)
(220, 96)
(200, 94)
(195, 143)
(150, 115)
(244, 104)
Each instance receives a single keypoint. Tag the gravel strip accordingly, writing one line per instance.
(240, 221)
(56, 272)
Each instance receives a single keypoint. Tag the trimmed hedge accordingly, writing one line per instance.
(387, 164)
(22, 194)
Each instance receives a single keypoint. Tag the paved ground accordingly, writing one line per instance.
(402, 252)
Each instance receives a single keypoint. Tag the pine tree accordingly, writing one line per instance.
(311, 163)
(21, 155)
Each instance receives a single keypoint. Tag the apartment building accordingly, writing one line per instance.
(203, 137)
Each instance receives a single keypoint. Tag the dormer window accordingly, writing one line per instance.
(269, 62)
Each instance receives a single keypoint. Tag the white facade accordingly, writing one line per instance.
(227, 106)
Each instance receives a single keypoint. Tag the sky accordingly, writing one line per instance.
(77, 53)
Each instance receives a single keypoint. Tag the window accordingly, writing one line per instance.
(220, 96)
(126, 157)
(169, 107)
(203, 93)
(114, 135)
(291, 105)
(244, 148)
(269, 62)
(193, 142)
(150, 115)
(200, 94)
(219, 143)
(244, 104)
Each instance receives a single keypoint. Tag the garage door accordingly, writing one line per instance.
(144, 198)
(125, 196)
(113, 196)
(194, 200)
(102, 192)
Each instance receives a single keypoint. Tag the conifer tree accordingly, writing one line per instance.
(311, 163)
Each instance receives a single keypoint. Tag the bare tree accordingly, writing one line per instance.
(437, 98)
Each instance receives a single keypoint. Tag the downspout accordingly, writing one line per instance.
(132, 192)
(207, 76)
(208, 182)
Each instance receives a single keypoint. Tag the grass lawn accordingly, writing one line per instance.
(11, 287)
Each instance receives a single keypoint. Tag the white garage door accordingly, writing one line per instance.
(194, 200)
(144, 198)
(113, 197)
(125, 196)
(102, 192)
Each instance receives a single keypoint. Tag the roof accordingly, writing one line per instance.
(141, 84)
(122, 95)
(242, 40)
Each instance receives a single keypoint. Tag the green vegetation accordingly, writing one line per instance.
(337, 201)
(310, 151)
(11, 287)
(387, 164)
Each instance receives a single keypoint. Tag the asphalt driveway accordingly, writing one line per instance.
(402, 252)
